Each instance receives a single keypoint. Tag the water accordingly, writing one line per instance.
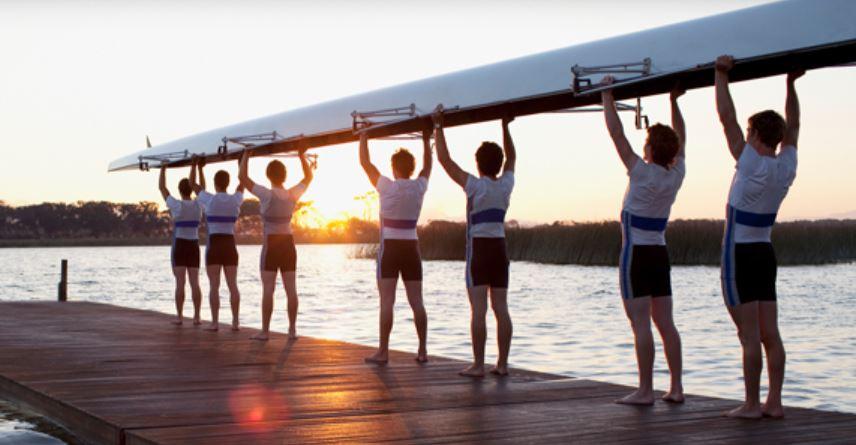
(20, 427)
(567, 319)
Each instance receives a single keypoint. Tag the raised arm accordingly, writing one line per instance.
(308, 174)
(240, 187)
(616, 130)
(792, 111)
(678, 119)
(365, 159)
(427, 157)
(243, 172)
(452, 169)
(162, 182)
(197, 187)
(725, 106)
(508, 145)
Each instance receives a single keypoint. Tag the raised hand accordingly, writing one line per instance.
(437, 115)
(677, 92)
(794, 75)
(607, 81)
(724, 63)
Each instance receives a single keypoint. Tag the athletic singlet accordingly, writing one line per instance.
(185, 216)
(277, 207)
(759, 186)
(400, 206)
(221, 211)
(487, 202)
(648, 200)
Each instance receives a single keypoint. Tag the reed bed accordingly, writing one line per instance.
(690, 242)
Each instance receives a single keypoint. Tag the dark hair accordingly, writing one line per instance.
(276, 172)
(664, 144)
(221, 179)
(489, 158)
(403, 163)
(769, 126)
(184, 187)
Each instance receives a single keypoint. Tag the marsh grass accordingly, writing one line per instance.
(690, 242)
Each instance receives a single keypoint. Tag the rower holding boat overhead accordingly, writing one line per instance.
(184, 255)
(644, 268)
(279, 255)
(488, 198)
(221, 253)
(400, 205)
(748, 270)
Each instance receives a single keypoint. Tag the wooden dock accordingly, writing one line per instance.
(114, 375)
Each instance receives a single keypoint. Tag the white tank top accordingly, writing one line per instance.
(221, 211)
(759, 186)
(400, 206)
(277, 207)
(648, 200)
(487, 203)
(185, 217)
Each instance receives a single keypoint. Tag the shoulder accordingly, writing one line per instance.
(204, 196)
(472, 184)
(383, 182)
(170, 201)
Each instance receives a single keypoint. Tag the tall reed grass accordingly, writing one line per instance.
(690, 242)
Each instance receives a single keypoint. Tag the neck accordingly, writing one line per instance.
(764, 149)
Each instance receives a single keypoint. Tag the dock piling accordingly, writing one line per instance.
(62, 288)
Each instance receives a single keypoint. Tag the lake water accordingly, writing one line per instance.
(567, 319)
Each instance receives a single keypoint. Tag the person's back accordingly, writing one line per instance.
(648, 201)
(759, 186)
(400, 205)
(488, 200)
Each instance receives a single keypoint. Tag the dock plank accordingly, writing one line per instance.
(126, 376)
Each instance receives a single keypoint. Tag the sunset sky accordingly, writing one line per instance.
(84, 82)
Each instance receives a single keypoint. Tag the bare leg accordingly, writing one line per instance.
(386, 287)
(268, 288)
(504, 328)
(478, 330)
(213, 272)
(661, 312)
(638, 311)
(289, 281)
(745, 317)
(234, 295)
(195, 293)
(420, 318)
(180, 280)
(775, 358)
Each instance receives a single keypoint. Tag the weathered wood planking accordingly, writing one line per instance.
(118, 375)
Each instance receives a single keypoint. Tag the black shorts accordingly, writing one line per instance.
(221, 250)
(399, 256)
(279, 253)
(644, 271)
(487, 263)
(185, 253)
(748, 273)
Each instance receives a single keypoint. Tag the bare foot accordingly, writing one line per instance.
(773, 411)
(638, 398)
(473, 371)
(261, 336)
(674, 396)
(421, 357)
(235, 328)
(378, 358)
(213, 327)
(292, 333)
(197, 321)
(500, 371)
(745, 412)
(178, 322)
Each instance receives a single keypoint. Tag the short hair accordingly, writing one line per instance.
(769, 126)
(664, 144)
(184, 187)
(276, 172)
(221, 179)
(489, 158)
(403, 162)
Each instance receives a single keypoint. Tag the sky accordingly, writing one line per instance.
(84, 82)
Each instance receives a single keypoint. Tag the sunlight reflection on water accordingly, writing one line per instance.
(567, 319)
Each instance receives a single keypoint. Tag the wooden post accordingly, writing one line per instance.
(62, 291)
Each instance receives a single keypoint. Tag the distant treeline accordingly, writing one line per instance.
(690, 242)
(102, 223)
(597, 243)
